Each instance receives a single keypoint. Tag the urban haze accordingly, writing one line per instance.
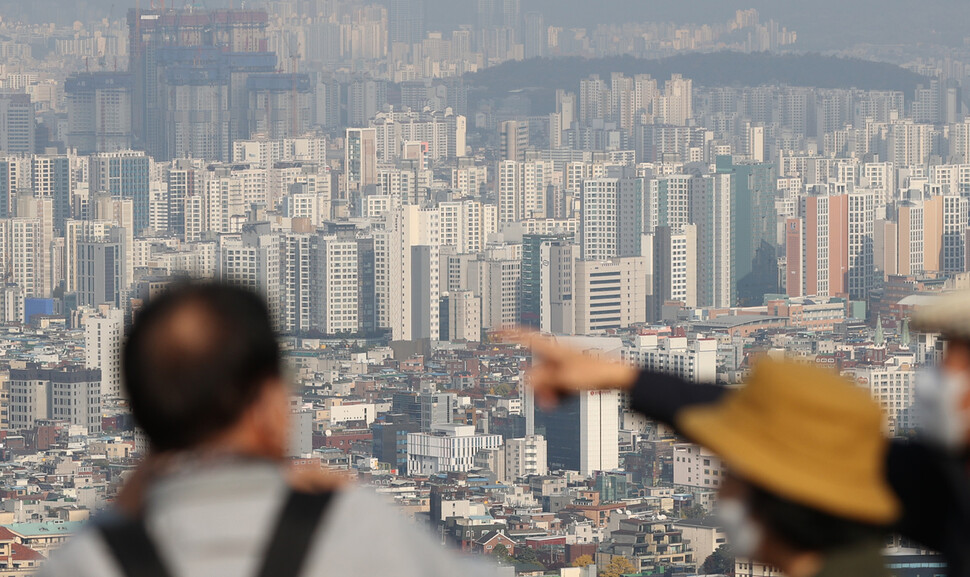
(685, 186)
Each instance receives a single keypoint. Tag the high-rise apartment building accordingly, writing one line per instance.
(101, 270)
(17, 129)
(522, 189)
(677, 103)
(10, 171)
(99, 112)
(612, 218)
(541, 275)
(104, 333)
(360, 158)
(461, 316)
(755, 225)
(513, 140)
(336, 292)
(466, 224)
(405, 20)
(28, 244)
(535, 35)
(498, 282)
(406, 273)
(296, 282)
(280, 105)
(674, 268)
(818, 266)
(51, 178)
(193, 64)
(712, 211)
(861, 259)
(184, 181)
(594, 99)
(252, 260)
(836, 231)
(124, 175)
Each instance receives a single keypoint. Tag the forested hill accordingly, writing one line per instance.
(705, 69)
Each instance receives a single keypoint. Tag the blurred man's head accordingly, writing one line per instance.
(943, 396)
(202, 370)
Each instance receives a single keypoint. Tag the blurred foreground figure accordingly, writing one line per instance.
(203, 374)
(806, 489)
(930, 476)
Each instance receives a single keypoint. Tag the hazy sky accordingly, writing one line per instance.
(822, 24)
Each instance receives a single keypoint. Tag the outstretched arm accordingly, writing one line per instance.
(660, 396)
(560, 371)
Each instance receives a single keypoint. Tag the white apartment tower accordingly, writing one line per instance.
(464, 316)
(252, 260)
(103, 336)
(522, 189)
(612, 217)
(861, 277)
(336, 289)
(406, 254)
(498, 282)
(466, 224)
(711, 212)
(674, 267)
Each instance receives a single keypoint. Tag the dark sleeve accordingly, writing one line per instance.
(660, 396)
(916, 473)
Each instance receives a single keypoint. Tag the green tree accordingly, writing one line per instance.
(500, 552)
(720, 562)
(583, 561)
(617, 567)
(527, 555)
(693, 512)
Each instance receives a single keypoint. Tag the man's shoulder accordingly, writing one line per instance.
(361, 519)
(84, 554)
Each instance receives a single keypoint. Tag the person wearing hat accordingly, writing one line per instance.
(928, 475)
(806, 489)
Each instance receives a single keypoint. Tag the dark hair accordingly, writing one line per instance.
(808, 529)
(195, 360)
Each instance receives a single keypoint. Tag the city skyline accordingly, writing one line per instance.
(405, 181)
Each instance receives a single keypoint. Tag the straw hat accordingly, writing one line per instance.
(803, 434)
(948, 314)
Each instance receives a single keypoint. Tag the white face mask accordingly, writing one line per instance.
(938, 406)
(744, 534)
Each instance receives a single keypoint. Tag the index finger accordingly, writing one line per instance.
(539, 344)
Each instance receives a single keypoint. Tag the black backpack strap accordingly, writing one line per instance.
(290, 543)
(133, 549)
(285, 554)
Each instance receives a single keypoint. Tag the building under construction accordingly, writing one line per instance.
(191, 72)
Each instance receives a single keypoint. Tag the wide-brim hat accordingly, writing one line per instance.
(948, 314)
(803, 434)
